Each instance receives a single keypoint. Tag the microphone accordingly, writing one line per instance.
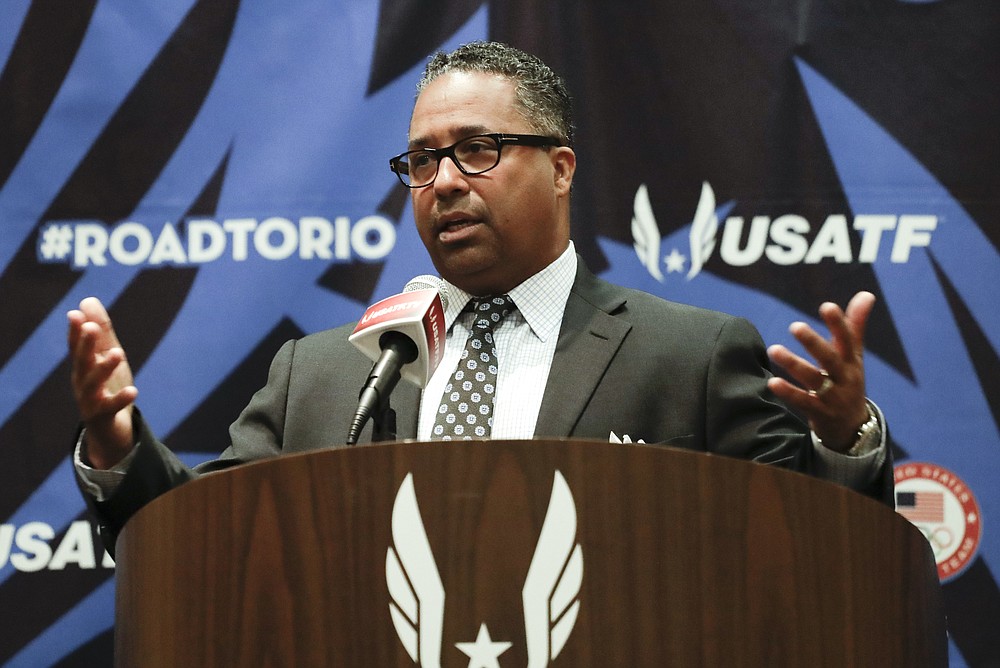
(404, 334)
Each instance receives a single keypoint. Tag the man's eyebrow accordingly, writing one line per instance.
(460, 132)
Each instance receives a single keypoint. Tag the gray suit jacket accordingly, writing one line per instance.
(625, 361)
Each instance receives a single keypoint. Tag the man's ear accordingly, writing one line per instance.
(564, 164)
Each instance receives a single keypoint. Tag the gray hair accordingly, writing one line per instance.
(541, 94)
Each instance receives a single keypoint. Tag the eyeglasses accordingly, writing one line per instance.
(472, 155)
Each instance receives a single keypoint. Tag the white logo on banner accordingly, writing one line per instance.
(783, 240)
(199, 241)
(32, 547)
(550, 595)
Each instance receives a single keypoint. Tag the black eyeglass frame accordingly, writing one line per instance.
(401, 168)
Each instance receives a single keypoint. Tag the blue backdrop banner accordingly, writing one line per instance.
(216, 172)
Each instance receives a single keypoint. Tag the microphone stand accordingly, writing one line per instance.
(383, 422)
(373, 401)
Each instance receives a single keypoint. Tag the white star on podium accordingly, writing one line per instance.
(484, 652)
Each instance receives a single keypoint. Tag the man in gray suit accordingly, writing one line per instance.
(490, 166)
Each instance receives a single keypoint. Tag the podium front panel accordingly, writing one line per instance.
(526, 553)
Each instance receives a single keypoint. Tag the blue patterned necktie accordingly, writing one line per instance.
(466, 410)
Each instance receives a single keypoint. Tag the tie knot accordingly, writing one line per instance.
(490, 311)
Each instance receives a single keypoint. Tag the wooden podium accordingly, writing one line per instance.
(522, 553)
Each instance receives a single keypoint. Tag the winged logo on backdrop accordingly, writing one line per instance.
(647, 238)
(788, 239)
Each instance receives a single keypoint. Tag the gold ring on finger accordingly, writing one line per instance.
(824, 386)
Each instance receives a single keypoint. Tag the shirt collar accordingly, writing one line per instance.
(541, 299)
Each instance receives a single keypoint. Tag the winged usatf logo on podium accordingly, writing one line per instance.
(550, 594)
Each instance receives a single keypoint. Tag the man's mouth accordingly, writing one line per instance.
(456, 229)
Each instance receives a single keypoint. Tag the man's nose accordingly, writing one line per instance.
(449, 176)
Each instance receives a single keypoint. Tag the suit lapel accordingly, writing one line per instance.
(588, 341)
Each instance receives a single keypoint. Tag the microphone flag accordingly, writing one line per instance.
(417, 314)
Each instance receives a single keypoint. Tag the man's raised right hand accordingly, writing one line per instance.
(102, 384)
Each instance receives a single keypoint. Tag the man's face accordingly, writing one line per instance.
(488, 232)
